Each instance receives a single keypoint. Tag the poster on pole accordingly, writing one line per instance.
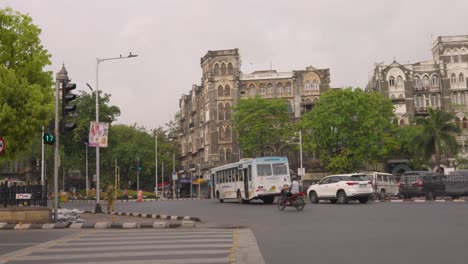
(98, 133)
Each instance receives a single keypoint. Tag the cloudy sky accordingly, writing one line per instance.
(171, 36)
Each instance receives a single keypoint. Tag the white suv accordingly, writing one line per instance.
(341, 188)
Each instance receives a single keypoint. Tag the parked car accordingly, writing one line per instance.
(341, 188)
(383, 184)
(412, 182)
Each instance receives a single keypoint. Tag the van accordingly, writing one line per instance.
(383, 184)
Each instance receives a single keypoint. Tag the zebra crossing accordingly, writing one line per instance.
(142, 246)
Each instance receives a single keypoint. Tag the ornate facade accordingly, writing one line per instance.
(206, 131)
(440, 83)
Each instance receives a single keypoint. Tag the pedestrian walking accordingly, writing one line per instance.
(125, 194)
(110, 198)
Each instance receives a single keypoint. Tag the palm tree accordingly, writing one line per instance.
(437, 134)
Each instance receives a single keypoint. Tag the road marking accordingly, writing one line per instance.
(174, 246)
(18, 244)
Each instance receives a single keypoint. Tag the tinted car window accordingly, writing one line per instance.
(325, 181)
(358, 178)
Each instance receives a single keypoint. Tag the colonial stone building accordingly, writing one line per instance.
(439, 83)
(206, 130)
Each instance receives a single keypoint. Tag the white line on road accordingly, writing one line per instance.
(127, 247)
(136, 238)
(153, 241)
(18, 244)
(161, 261)
(125, 254)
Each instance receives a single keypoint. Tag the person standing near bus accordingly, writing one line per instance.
(110, 198)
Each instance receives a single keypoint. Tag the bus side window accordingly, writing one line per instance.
(249, 172)
(240, 177)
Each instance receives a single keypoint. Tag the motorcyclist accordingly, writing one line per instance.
(293, 189)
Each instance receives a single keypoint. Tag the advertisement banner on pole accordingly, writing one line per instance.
(98, 133)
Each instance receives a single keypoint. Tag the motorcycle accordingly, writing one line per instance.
(296, 200)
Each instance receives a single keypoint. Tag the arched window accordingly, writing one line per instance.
(435, 100)
(228, 111)
(288, 88)
(279, 88)
(288, 107)
(453, 78)
(223, 69)
(391, 81)
(227, 91)
(315, 85)
(435, 80)
(402, 122)
(308, 85)
(220, 112)
(399, 81)
(308, 101)
(228, 133)
(455, 98)
(220, 91)
(419, 101)
(461, 78)
(262, 88)
(221, 155)
(425, 81)
(417, 82)
(252, 89)
(222, 133)
(230, 70)
(270, 88)
(216, 69)
(465, 122)
(400, 96)
(457, 121)
(228, 154)
(393, 96)
(243, 89)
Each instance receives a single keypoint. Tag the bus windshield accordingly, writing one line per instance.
(271, 169)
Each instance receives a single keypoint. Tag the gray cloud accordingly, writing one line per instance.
(171, 36)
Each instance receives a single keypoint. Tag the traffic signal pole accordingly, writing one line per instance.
(56, 148)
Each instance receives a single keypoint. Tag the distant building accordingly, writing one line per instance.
(440, 83)
(206, 129)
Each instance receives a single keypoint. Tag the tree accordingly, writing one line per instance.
(26, 101)
(349, 127)
(406, 147)
(259, 122)
(437, 135)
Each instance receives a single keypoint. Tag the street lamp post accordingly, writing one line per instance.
(301, 169)
(87, 179)
(98, 208)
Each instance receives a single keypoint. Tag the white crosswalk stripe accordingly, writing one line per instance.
(137, 247)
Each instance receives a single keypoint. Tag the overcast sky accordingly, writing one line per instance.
(171, 36)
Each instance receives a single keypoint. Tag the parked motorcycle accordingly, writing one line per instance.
(296, 200)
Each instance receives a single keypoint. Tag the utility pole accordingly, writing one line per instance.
(173, 179)
(162, 179)
(138, 174)
(42, 158)
(115, 179)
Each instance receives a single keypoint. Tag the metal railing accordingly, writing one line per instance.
(23, 195)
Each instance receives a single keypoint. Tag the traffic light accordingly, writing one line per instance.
(67, 108)
(49, 138)
(140, 165)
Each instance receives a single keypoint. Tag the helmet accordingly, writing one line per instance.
(294, 178)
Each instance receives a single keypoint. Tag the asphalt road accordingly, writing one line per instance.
(14, 240)
(325, 233)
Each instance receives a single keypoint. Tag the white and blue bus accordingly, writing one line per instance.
(254, 178)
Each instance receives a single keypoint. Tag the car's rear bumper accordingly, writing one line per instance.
(359, 195)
